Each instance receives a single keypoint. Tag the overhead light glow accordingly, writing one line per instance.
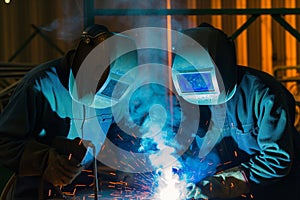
(7, 1)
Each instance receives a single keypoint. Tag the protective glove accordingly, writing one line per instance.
(193, 192)
(76, 147)
(227, 184)
(61, 170)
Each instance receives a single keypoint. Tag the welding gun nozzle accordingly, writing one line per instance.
(90, 144)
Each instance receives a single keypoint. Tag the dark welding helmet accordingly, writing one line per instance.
(101, 59)
(204, 66)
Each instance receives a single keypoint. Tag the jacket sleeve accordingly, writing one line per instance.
(274, 113)
(19, 122)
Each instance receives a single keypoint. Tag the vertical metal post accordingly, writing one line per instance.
(89, 12)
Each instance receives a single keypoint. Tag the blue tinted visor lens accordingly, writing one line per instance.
(195, 82)
(112, 91)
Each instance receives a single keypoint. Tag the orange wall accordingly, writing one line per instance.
(264, 45)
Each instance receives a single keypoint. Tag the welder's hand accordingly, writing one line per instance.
(60, 171)
(128, 179)
(77, 147)
(228, 184)
(193, 192)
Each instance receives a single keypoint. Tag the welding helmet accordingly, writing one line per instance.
(204, 70)
(101, 59)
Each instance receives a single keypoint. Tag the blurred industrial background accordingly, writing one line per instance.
(35, 31)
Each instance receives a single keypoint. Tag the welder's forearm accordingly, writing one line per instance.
(34, 159)
(10, 152)
(227, 184)
(269, 166)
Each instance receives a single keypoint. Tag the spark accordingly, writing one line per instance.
(87, 170)
(80, 185)
(227, 163)
(133, 155)
(235, 153)
(119, 136)
(133, 135)
(169, 185)
(92, 184)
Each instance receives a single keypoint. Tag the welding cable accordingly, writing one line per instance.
(83, 120)
(96, 189)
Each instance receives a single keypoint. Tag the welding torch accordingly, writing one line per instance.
(77, 148)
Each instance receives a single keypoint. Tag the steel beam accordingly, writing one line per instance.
(90, 12)
(8, 89)
(224, 11)
(243, 27)
(27, 41)
(47, 39)
(286, 26)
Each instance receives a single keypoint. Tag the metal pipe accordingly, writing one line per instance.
(224, 11)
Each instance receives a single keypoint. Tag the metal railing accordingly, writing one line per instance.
(289, 76)
(90, 12)
(15, 71)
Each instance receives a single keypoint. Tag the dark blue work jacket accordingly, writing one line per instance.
(255, 130)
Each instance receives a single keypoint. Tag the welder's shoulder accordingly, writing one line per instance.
(260, 80)
(260, 77)
(41, 72)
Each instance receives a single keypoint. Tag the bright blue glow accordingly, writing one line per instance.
(195, 82)
(158, 115)
(195, 169)
(42, 133)
(110, 90)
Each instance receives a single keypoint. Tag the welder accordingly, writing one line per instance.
(252, 121)
(59, 110)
